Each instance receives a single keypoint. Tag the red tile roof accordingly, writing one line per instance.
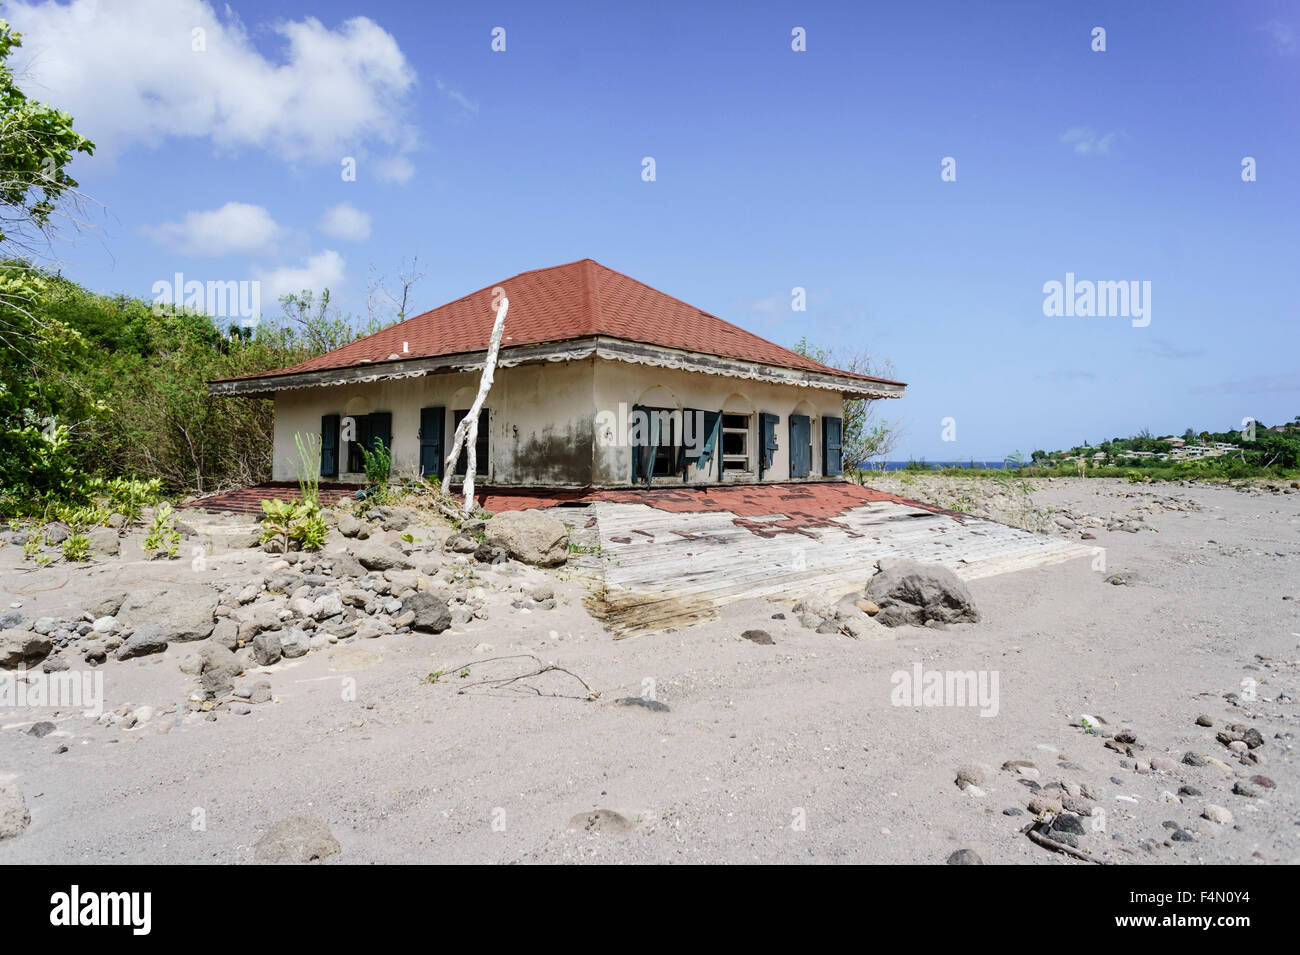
(561, 303)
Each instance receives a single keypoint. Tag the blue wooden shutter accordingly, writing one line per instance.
(704, 428)
(832, 441)
(432, 421)
(381, 429)
(800, 431)
(768, 449)
(329, 445)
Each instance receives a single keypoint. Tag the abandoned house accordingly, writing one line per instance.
(602, 382)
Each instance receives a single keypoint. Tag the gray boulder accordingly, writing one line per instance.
(460, 544)
(226, 634)
(350, 526)
(345, 565)
(530, 536)
(104, 541)
(22, 648)
(374, 555)
(431, 613)
(143, 642)
(56, 533)
(218, 668)
(267, 648)
(911, 593)
(181, 612)
(328, 604)
(294, 642)
(109, 605)
(263, 615)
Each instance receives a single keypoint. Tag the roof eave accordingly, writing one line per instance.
(604, 347)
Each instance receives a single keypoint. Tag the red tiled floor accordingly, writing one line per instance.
(804, 505)
(248, 500)
(809, 503)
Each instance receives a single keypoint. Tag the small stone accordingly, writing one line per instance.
(298, 840)
(653, 705)
(14, 816)
(266, 648)
(41, 729)
(759, 636)
(145, 641)
(1068, 822)
(965, 857)
(1204, 720)
(1217, 814)
(969, 776)
(1063, 837)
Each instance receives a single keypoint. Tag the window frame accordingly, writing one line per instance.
(737, 462)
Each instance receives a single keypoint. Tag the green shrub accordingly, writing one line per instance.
(378, 463)
(129, 497)
(308, 466)
(289, 522)
(76, 548)
(163, 538)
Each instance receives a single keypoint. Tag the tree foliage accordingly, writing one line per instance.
(110, 386)
(865, 438)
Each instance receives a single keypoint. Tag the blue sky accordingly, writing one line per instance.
(774, 169)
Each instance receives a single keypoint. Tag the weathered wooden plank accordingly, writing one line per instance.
(654, 576)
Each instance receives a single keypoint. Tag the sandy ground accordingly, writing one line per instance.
(790, 752)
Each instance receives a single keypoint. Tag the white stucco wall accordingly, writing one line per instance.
(542, 419)
(629, 384)
(539, 421)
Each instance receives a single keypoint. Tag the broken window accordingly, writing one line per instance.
(368, 431)
(735, 442)
(666, 450)
(656, 437)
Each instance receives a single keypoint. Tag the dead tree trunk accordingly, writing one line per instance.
(467, 431)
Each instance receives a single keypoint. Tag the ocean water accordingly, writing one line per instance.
(899, 465)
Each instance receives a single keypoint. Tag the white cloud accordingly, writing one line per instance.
(346, 221)
(235, 228)
(456, 96)
(1283, 36)
(1086, 141)
(1262, 384)
(128, 73)
(397, 169)
(320, 271)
